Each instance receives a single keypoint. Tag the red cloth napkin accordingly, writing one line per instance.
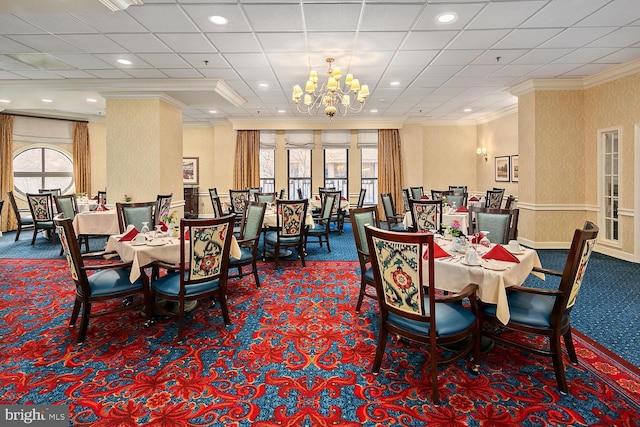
(501, 254)
(343, 198)
(473, 199)
(186, 234)
(102, 208)
(163, 226)
(462, 209)
(425, 197)
(129, 235)
(437, 251)
(477, 237)
(317, 197)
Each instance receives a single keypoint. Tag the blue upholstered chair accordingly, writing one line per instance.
(41, 206)
(202, 271)
(109, 282)
(502, 224)
(23, 216)
(545, 312)
(135, 214)
(393, 219)
(410, 306)
(426, 215)
(248, 241)
(322, 222)
(266, 197)
(360, 217)
(416, 192)
(290, 229)
(67, 205)
(460, 199)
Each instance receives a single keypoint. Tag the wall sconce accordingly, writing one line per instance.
(482, 152)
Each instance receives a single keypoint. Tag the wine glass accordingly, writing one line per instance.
(485, 239)
(145, 228)
(158, 230)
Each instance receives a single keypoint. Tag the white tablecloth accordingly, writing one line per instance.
(317, 203)
(271, 219)
(453, 275)
(143, 255)
(447, 219)
(96, 223)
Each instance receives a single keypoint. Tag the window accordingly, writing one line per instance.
(299, 172)
(42, 167)
(370, 175)
(267, 171)
(336, 171)
(610, 180)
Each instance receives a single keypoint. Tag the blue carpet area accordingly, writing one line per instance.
(607, 310)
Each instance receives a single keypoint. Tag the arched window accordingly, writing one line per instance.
(37, 167)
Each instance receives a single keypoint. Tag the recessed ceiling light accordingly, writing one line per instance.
(447, 17)
(91, 100)
(124, 61)
(395, 83)
(46, 100)
(467, 110)
(264, 85)
(218, 20)
(213, 111)
(281, 111)
(374, 111)
(5, 101)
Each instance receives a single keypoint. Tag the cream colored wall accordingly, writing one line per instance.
(607, 106)
(449, 157)
(98, 147)
(500, 138)
(527, 173)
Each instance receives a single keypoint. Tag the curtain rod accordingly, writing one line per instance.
(44, 117)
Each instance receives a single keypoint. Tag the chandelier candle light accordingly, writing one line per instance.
(331, 95)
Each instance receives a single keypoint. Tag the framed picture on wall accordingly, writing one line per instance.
(514, 168)
(190, 170)
(502, 168)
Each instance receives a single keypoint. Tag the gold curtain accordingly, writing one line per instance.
(9, 221)
(390, 167)
(246, 172)
(81, 158)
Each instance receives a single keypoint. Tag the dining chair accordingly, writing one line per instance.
(426, 215)
(253, 191)
(162, 208)
(24, 219)
(502, 224)
(290, 229)
(266, 197)
(102, 198)
(238, 200)
(248, 240)
(393, 219)
(416, 192)
(360, 217)
(337, 213)
(67, 205)
(281, 195)
(202, 271)
(300, 194)
(213, 192)
(108, 282)
(135, 213)
(493, 198)
(54, 191)
(406, 195)
(545, 312)
(41, 206)
(411, 307)
(509, 202)
(460, 199)
(360, 204)
(322, 222)
(217, 206)
(439, 194)
(458, 188)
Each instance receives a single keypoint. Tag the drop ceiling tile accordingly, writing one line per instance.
(331, 43)
(414, 58)
(147, 43)
(428, 39)
(441, 71)
(182, 73)
(248, 61)
(93, 43)
(585, 55)
(282, 42)
(6, 75)
(163, 18)
(389, 17)
(219, 73)
(148, 73)
(513, 70)
(551, 71)
(11, 46)
(526, 38)
(274, 17)
(164, 60)
(336, 17)
(456, 57)
(110, 74)
(61, 23)
(112, 59)
(576, 37)
(187, 43)
(477, 39)
(37, 74)
(45, 43)
(10, 24)
(541, 56)
(465, 14)
(476, 70)
(382, 40)
(73, 74)
(83, 61)
(10, 64)
(200, 14)
(622, 56)
(507, 14)
(234, 42)
(587, 70)
(622, 37)
(105, 21)
(214, 60)
(618, 12)
(563, 13)
(506, 56)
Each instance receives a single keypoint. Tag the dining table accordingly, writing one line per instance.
(271, 218)
(96, 223)
(492, 276)
(156, 247)
(448, 219)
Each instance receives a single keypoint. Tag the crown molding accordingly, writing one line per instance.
(316, 122)
(115, 5)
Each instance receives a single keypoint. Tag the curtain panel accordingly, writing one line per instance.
(390, 171)
(8, 219)
(81, 158)
(246, 172)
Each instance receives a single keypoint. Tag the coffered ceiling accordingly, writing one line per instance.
(67, 51)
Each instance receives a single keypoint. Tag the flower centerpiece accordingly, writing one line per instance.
(444, 200)
(171, 222)
(127, 198)
(453, 230)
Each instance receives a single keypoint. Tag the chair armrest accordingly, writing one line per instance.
(166, 265)
(538, 291)
(106, 266)
(468, 291)
(100, 254)
(547, 271)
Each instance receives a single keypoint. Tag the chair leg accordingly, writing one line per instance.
(361, 296)
(558, 363)
(225, 310)
(35, 233)
(74, 313)
(18, 232)
(571, 350)
(180, 319)
(255, 273)
(382, 343)
(301, 252)
(84, 322)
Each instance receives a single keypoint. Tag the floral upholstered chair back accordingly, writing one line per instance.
(208, 248)
(41, 206)
(163, 206)
(583, 240)
(494, 199)
(293, 217)
(64, 228)
(426, 214)
(239, 200)
(399, 267)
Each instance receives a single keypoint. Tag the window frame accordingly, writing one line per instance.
(268, 184)
(610, 224)
(306, 181)
(344, 188)
(371, 196)
(43, 174)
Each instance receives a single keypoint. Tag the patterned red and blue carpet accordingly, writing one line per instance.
(296, 354)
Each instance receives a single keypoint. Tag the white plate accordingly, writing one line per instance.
(157, 242)
(520, 252)
(134, 243)
(492, 265)
(478, 264)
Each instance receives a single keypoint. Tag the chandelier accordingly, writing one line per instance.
(331, 95)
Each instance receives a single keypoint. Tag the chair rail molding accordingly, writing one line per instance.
(557, 207)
